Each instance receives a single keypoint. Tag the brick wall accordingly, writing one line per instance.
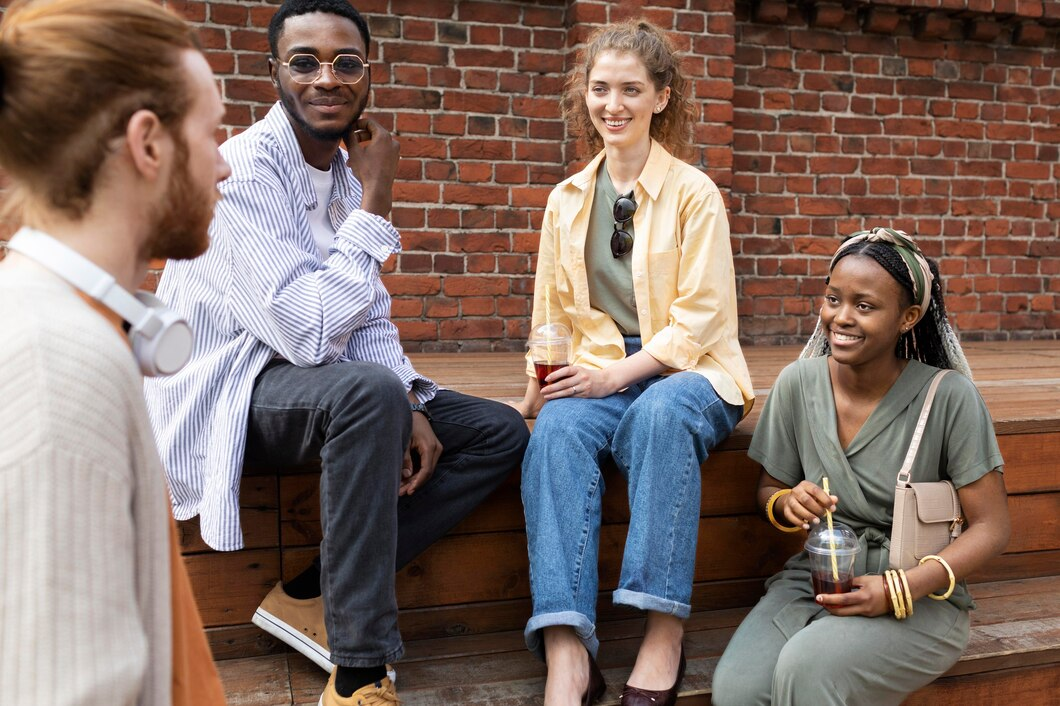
(944, 123)
(938, 116)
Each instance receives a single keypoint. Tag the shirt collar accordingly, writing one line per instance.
(651, 177)
(279, 124)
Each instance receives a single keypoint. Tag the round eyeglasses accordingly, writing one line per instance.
(621, 239)
(306, 68)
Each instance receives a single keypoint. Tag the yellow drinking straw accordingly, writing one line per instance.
(548, 321)
(831, 537)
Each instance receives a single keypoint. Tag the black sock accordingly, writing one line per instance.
(306, 584)
(350, 679)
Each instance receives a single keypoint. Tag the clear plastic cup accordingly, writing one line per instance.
(832, 553)
(550, 349)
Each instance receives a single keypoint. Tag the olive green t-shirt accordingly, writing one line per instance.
(610, 278)
(796, 438)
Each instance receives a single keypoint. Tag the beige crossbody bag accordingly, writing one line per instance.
(927, 516)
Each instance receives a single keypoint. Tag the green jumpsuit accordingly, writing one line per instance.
(790, 650)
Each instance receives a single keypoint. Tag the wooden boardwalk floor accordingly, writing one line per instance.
(1020, 382)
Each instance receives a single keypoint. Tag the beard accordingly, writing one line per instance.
(323, 135)
(180, 226)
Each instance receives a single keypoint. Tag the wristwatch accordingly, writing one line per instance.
(422, 409)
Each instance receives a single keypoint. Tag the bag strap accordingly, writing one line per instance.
(914, 444)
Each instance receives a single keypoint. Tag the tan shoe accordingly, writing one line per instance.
(296, 622)
(380, 693)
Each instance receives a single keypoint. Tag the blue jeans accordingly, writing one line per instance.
(355, 418)
(658, 432)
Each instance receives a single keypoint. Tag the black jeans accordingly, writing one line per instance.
(355, 418)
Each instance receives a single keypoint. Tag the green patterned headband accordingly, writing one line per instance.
(914, 260)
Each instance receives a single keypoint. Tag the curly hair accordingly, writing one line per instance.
(672, 126)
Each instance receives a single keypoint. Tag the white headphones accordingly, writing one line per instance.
(161, 340)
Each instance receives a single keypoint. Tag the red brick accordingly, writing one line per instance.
(481, 149)
(439, 308)
(822, 206)
(449, 264)
(189, 10)
(484, 57)
(476, 218)
(258, 90)
(225, 14)
(417, 8)
(879, 20)
(1026, 170)
(472, 328)
(467, 102)
(417, 330)
(482, 264)
(413, 192)
(475, 286)
(412, 284)
(249, 40)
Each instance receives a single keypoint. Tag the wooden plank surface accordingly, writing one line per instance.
(1019, 380)
(1018, 622)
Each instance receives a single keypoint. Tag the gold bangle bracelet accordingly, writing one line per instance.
(903, 611)
(772, 518)
(949, 572)
(907, 592)
(895, 591)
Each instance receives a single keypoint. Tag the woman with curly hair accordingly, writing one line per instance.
(635, 261)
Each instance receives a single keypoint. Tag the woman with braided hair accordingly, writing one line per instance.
(846, 410)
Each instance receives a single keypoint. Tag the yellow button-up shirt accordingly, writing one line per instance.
(683, 278)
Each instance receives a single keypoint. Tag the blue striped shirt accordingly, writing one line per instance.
(262, 290)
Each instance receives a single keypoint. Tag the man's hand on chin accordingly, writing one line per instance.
(373, 159)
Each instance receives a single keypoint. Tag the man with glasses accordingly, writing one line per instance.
(296, 359)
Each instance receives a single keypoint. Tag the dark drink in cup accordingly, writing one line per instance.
(550, 349)
(832, 553)
(826, 583)
(543, 370)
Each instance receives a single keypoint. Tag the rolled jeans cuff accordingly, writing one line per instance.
(645, 601)
(357, 662)
(584, 629)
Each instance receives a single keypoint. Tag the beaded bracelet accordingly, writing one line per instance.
(769, 511)
(949, 572)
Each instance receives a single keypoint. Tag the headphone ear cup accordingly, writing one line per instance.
(169, 348)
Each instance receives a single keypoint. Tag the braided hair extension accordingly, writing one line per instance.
(932, 340)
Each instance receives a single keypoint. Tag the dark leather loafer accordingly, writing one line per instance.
(597, 687)
(634, 696)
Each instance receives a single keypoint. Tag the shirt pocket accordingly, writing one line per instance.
(662, 283)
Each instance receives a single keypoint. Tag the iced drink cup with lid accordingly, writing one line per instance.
(550, 349)
(832, 554)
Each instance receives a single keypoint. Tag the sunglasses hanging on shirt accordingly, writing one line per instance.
(621, 239)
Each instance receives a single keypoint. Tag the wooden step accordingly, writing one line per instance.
(1015, 638)
(465, 601)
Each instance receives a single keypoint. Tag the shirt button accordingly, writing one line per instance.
(644, 312)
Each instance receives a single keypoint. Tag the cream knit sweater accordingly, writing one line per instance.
(85, 607)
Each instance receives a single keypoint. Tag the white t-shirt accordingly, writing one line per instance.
(319, 220)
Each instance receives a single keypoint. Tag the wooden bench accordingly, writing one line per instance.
(464, 601)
